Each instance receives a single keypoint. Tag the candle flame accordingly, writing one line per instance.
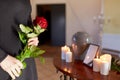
(65, 69)
(69, 71)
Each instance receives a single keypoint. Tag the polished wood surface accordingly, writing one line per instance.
(80, 71)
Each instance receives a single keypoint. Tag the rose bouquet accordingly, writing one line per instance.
(39, 26)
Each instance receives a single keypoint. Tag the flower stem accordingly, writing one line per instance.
(23, 53)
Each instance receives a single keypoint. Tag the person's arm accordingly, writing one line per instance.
(2, 54)
(10, 64)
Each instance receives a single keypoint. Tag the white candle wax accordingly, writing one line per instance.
(64, 50)
(63, 53)
(104, 68)
(69, 56)
(108, 58)
(96, 65)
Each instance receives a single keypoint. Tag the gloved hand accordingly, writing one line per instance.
(33, 41)
(12, 66)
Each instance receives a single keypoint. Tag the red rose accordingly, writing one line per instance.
(41, 21)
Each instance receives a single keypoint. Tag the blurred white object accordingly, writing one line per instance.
(111, 41)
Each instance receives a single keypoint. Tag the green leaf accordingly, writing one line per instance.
(25, 29)
(27, 53)
(22, 37)
(42, 60)
(36, 52)
(30, 35)
(24, 65)
(18, 57)
(38, 29)
(114, 65)
(33, 48)
(42, 30)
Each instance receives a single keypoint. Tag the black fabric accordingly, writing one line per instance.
(29, 70)
(13, 13)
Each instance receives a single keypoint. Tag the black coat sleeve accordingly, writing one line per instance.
(2, 54)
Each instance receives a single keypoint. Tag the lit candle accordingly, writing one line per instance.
(69, 56)
(64, 50)
(96, 65)
(65, 69)
(104, 67)
(69, 71)
(62, 53)
(106, 57)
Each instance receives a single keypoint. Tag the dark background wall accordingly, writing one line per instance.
(55, 15)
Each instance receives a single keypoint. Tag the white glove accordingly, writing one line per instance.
(33, 41)
(12, 66)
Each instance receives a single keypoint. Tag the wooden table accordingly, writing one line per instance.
(80, 71)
